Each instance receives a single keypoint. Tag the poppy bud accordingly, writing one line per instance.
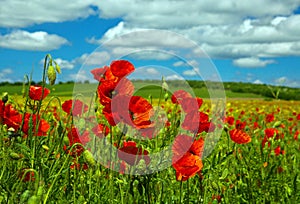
(51, 74)
(57, 67)
(15, 156)
(45, 147)
(33, 200)
(89, 157)
(5, 97)
(277, 124)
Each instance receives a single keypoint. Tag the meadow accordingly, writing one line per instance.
(167, 148)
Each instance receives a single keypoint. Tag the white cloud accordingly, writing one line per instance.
(178, 64)
(36, 41)
(19, 13)
(252, 62)
(229, 29)
(94, 58)
(174, 77)
(81, 76)
(281, 80)
(64, 64)
(191, 72)
(188, 13)
(5, 74)
(152, 71)
(257, 81)
(285, 81)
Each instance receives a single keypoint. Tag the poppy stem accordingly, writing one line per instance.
(180, 198)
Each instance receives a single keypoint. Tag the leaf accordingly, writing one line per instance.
(224, 174)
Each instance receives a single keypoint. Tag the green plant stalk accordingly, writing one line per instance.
(58, 174)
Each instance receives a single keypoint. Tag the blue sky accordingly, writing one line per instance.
(254, 41)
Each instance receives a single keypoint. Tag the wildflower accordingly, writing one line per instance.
(197, 122)
(240, 125)
(191, 104)
(108, 89)
(30, 123)
(278, 151)
(9, 116)
(270, 132)
(100, 130)
(78, 107)
(229, 120)
(26, 175)
(134, 111)
(179, 96)
(99, 72)
(74, 137)
(38, 93)
(240, 137)
(132, 154)
(270, 117)
(187, 155)
(121, 68)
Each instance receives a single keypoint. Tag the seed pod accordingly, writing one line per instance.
(33, 200)
(45, 147)
(89, 157)
(5, 97)
(51, 74)
(57, 67)
(15, 156)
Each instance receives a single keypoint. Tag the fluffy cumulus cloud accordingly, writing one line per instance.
(285, 81)
(19, 13)
(252, 62)
(5, 74)
(88, 60)
(36, 41)
(248, 32)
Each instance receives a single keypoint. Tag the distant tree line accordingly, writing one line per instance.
(269, 91)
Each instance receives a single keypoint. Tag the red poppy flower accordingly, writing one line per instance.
(187, 155)
(74, 137)
(108, 89)
(26, 175)
(218, 198)
(43, 125)
(100, 130)
(10, 117)
(278, 151)
(270, 132)
(270, 117)
(298, 117)
(134, 111)
(132, 154)
(121, 68)
(191, 104)
(240, 137)
(78, 107)
(98, 73)
(36, 93)
(197, 122)
(229, 120)
(78, 166)
(240, 125)
(179, 96)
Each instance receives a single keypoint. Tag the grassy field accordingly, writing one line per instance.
(67, 90)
